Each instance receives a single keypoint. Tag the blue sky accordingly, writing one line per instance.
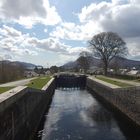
(53, 32)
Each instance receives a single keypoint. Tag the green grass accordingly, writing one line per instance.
(38, 83)
(114, 82)
(4, 89)
(138, 80)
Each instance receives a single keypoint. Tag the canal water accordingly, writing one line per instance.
(77, 115)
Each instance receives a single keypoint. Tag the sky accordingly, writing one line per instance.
(53, 32)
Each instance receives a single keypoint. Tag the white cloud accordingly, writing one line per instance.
(15, 42)
(117, 16)
(54, 45)
(71, 31)
(94, 11)
(119, 2)
(52, 17)
(45, 30)
(7, 57)
(133, 44)
(29, 12)
(17, 8)
(62, 59)
(8, 31)
(135, 1)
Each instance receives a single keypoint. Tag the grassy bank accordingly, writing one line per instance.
(4, 89)
(39, 82)
(112, 81)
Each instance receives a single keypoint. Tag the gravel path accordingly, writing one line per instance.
(17, 83)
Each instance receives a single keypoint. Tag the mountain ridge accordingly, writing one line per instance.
(26, 65)
(118, 61)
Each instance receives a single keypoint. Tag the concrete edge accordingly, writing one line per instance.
(113, 87)
(11, 92)
(48, 84)
(10, 96)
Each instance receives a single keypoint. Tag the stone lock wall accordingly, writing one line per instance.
(127, 100)
(21, 110)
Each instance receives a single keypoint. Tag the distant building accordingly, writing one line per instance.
(134, 72)
(48, 72)
(30, 73)
(123, 71)
(95, 70)
(39, 70)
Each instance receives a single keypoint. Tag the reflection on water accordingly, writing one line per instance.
(76, 115)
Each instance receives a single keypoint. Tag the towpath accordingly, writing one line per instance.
(17, 83)
(104, 83)
(134, 83)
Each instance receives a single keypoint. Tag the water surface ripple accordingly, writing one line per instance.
(77, 115)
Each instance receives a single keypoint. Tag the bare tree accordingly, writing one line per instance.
(106, 46)
(83, 61)
(10, 71)
(115, 65)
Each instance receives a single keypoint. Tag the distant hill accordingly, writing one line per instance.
(26, 65)
(120, 61)
(74, 64)
(70, 65)
(126, 63)
(18, 63)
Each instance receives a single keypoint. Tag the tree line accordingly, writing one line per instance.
(10, 71)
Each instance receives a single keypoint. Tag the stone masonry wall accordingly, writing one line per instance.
(127, 100)
(21, 110)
